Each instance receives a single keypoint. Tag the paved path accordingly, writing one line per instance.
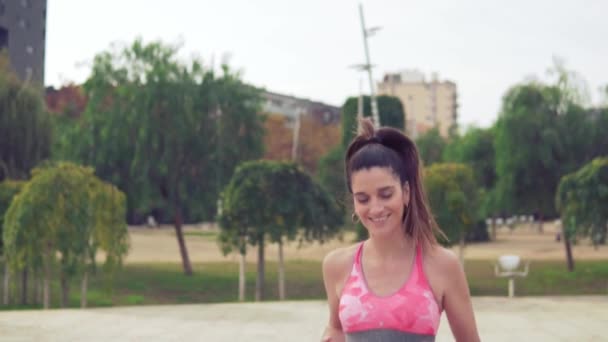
(499, 319)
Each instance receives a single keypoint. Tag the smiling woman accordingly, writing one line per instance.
(395, 285)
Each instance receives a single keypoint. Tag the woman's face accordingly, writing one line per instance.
(379, 200)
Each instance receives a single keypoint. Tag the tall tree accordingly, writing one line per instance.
(526, 145)
(452, 194)
(275, 201)
(169, 134)
(476, 149)
(25, 128)
(431, 145)
(581, 200)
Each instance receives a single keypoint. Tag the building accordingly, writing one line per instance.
(290, 106)
(23, 34)
(427, 104)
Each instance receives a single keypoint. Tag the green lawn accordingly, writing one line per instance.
(146, 284)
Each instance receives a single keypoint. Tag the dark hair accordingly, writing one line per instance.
(388, 147)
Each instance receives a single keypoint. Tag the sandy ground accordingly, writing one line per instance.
(160, 245)
(498, 319)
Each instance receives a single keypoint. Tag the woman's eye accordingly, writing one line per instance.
(362, 200)
(386, 195)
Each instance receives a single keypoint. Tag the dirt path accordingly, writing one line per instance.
(160, 245)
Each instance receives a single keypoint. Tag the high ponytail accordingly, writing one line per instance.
(388, 147)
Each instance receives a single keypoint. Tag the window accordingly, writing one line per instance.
(29, 49)
(28, 73)
(21, 22)
(25, 3)
(2, 8)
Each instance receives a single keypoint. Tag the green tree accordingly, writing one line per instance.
(476, 149)
(25, 129)
(452, 194)
(167, 133)
(431, 145)
(581, 200)
(8, 190)
(526, 146)
(389, 107)
(275, 201)
(64, 210)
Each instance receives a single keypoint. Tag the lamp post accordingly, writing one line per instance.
(368, 32)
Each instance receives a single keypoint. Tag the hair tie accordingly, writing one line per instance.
(374, 139)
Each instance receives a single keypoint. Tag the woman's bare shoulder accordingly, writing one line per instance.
(442, 259)
(340, 260)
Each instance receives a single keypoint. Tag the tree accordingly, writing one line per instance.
(581, 200)
(452, 194)
(64, 210)
(25, 129)
(167, 133)
(8, 190)
(526, 145)
(389, 107)
(431, 145)
(275, 201)
(476, 149)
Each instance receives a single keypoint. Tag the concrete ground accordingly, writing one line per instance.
(498, 319)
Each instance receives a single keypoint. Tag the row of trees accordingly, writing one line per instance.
(169, 134)
(543, 132)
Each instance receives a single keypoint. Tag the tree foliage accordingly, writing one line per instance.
(65, 211)
(452, 195)
(8, 190)
(168, 133)
(25, 129)
(430, 146)
(274, 200)
(581, 200)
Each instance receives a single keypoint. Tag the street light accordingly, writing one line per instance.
(368, 32)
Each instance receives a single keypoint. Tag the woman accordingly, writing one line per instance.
(395, 285)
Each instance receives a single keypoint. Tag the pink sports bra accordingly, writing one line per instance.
(411, 313)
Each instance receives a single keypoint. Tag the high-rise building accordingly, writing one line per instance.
(23, 34)
(427, 104)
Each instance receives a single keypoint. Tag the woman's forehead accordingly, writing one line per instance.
(374, 178)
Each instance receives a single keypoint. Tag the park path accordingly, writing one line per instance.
(498, 318)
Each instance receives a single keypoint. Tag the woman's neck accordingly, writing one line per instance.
(390, 246)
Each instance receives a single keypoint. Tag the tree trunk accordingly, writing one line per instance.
(540, 222)
(37, 280)
(568, 247)
(493, 228)
(242, 277)
(24, 286)
(281, 272)
(65, 290)
(259, 284)
(83, 289)
(46, 296)
(7, 277)
(181, 242)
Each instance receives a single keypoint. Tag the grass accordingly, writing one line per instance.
(164, 283)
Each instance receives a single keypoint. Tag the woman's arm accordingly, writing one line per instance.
(332, 274)
(457, 302)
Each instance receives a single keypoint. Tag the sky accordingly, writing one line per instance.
(306, 48)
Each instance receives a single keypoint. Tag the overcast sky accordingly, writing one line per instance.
(305, 48)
